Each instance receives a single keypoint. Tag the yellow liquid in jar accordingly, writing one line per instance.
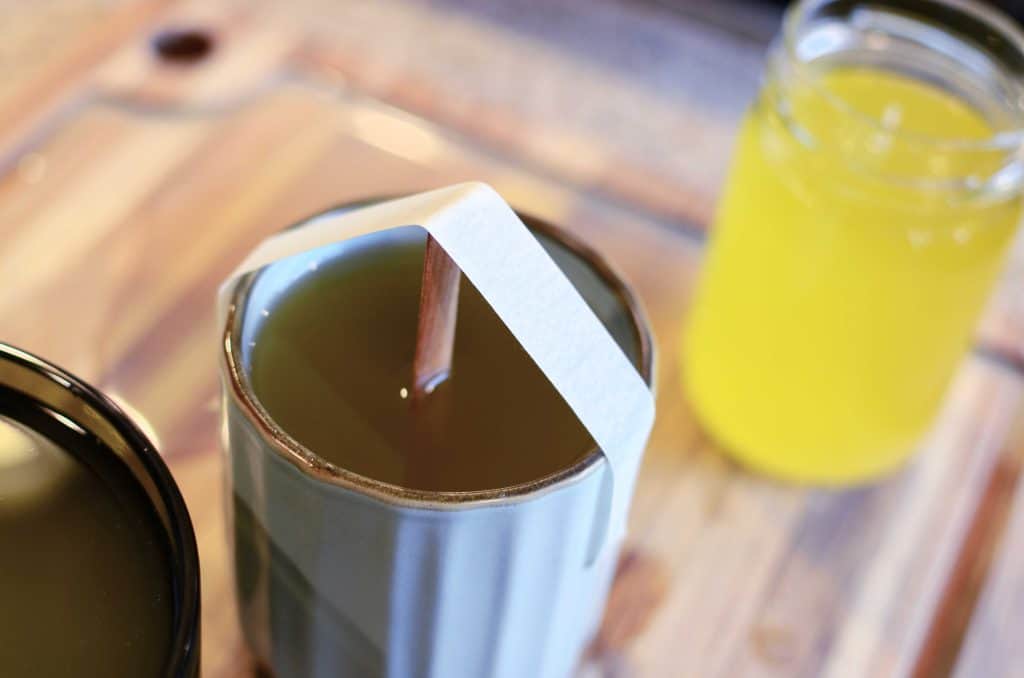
(835, 305)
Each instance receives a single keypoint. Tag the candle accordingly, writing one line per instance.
(461, 531)
(332, 364)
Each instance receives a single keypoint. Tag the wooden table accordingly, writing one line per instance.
(129, 188)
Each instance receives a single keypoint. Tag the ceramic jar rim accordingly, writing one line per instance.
(310, 464)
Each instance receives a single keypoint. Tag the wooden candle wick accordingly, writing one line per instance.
(439, 305)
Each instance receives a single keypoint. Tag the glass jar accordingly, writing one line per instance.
(875, 188)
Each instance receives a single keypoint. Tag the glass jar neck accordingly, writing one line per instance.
(924, 92)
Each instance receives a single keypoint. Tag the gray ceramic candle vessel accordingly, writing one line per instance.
(341, 575)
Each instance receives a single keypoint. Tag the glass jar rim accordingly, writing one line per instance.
(1003, 140)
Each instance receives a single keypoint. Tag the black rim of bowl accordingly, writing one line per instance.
(183, 661)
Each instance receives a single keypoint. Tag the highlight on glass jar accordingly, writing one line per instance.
(875, 188)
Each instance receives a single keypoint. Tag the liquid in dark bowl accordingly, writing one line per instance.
(98, 572)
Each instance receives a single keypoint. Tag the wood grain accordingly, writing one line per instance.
(977, 554)
(993, 645)
(119, 221)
